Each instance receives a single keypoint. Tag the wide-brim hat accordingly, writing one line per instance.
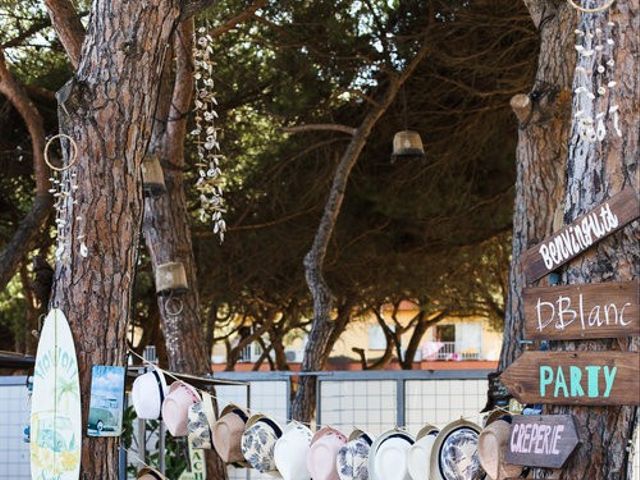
(321, 460)
(201, 419)
(175, 408)
(388, 455)
(227, 434)
(454, 455)
(419, 454)
(353, 457)
(290, 452)
(148, 392)
(492, 446)
(149, 473)
(259, 441)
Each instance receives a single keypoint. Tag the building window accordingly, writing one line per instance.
(446, 333)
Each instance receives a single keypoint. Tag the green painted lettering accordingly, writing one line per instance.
(609, 377)
(561, 384)
(575, 375)
(592, 383)
(546, 377)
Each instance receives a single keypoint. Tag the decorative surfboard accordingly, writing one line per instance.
(56, 421)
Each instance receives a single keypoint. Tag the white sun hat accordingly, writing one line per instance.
(290, 453)
(148, 392)
(388, 456)
(419, 455)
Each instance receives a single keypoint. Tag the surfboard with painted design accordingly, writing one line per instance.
(56, 415)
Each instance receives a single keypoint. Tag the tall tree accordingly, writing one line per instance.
(107, 108)
(561, 176)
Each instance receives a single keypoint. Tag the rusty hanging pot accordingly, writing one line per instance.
(171, 279)
(407, 143)
(152, 177)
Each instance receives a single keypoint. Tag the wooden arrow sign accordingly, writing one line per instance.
(575, 378)
(598, 310)
(584, 232)
(541, 440)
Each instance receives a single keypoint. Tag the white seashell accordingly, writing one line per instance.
(84, 251)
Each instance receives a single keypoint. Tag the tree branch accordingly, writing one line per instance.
(29, 228)
(238, 19)
(321, 127)
(67, 24)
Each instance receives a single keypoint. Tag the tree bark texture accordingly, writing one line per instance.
(586, 175)
(303, 404)
(108, 108)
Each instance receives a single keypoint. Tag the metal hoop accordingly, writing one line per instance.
(74, 150)
(601, 8)
(179, 306)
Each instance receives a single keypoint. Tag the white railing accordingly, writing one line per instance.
(446, 351)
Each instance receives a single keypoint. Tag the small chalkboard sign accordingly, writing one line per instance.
(541, 440)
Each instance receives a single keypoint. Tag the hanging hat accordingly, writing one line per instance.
(201, 420)
(227, 434)
(148, 393)
(454, 455)
(148, 473)
(492, 446)
(321, 460)
(419, 454)
(290, 453)
(175, 408)
(352, 458)
(388, 456)
(259, 441)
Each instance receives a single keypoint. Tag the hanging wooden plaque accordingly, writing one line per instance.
(541, 440)
(575, 378)
(598, 310)
(581, 234)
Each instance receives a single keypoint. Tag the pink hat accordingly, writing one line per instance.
(175, 408)
(321, 459)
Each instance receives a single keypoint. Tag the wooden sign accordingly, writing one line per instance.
(584, 232)
(598, 310)
(541, 440)
(575, 378)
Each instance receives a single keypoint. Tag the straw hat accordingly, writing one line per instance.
(175, 408)
(454, 455)
(259, 441)
(201, 420)
(227, 434)
(321, 459)
(419, 454)
(353, 457)
(290, 453)
(148, 473)
(388, 456)
(148, 392)
(492, 445)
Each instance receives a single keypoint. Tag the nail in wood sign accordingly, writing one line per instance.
(584, 232)
(575, 378)
(598, 310)
(541, 440)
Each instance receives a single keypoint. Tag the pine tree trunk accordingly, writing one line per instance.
(553, 188)
(107, 108)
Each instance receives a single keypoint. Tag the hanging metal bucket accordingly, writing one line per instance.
(171, 279)
(152, 177)
(407, 143)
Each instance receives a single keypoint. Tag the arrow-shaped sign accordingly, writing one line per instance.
(541, 440)
(575, 378)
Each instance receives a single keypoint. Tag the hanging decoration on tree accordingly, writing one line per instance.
(210, 182)
(595, 83)
(63, 188)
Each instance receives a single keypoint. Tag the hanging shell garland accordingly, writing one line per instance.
(210, 181)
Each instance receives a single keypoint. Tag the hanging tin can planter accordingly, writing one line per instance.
(407, 143)
(152, 177)
(171, 279)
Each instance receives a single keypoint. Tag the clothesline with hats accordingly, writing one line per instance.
(245, 438)
(179, 377)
